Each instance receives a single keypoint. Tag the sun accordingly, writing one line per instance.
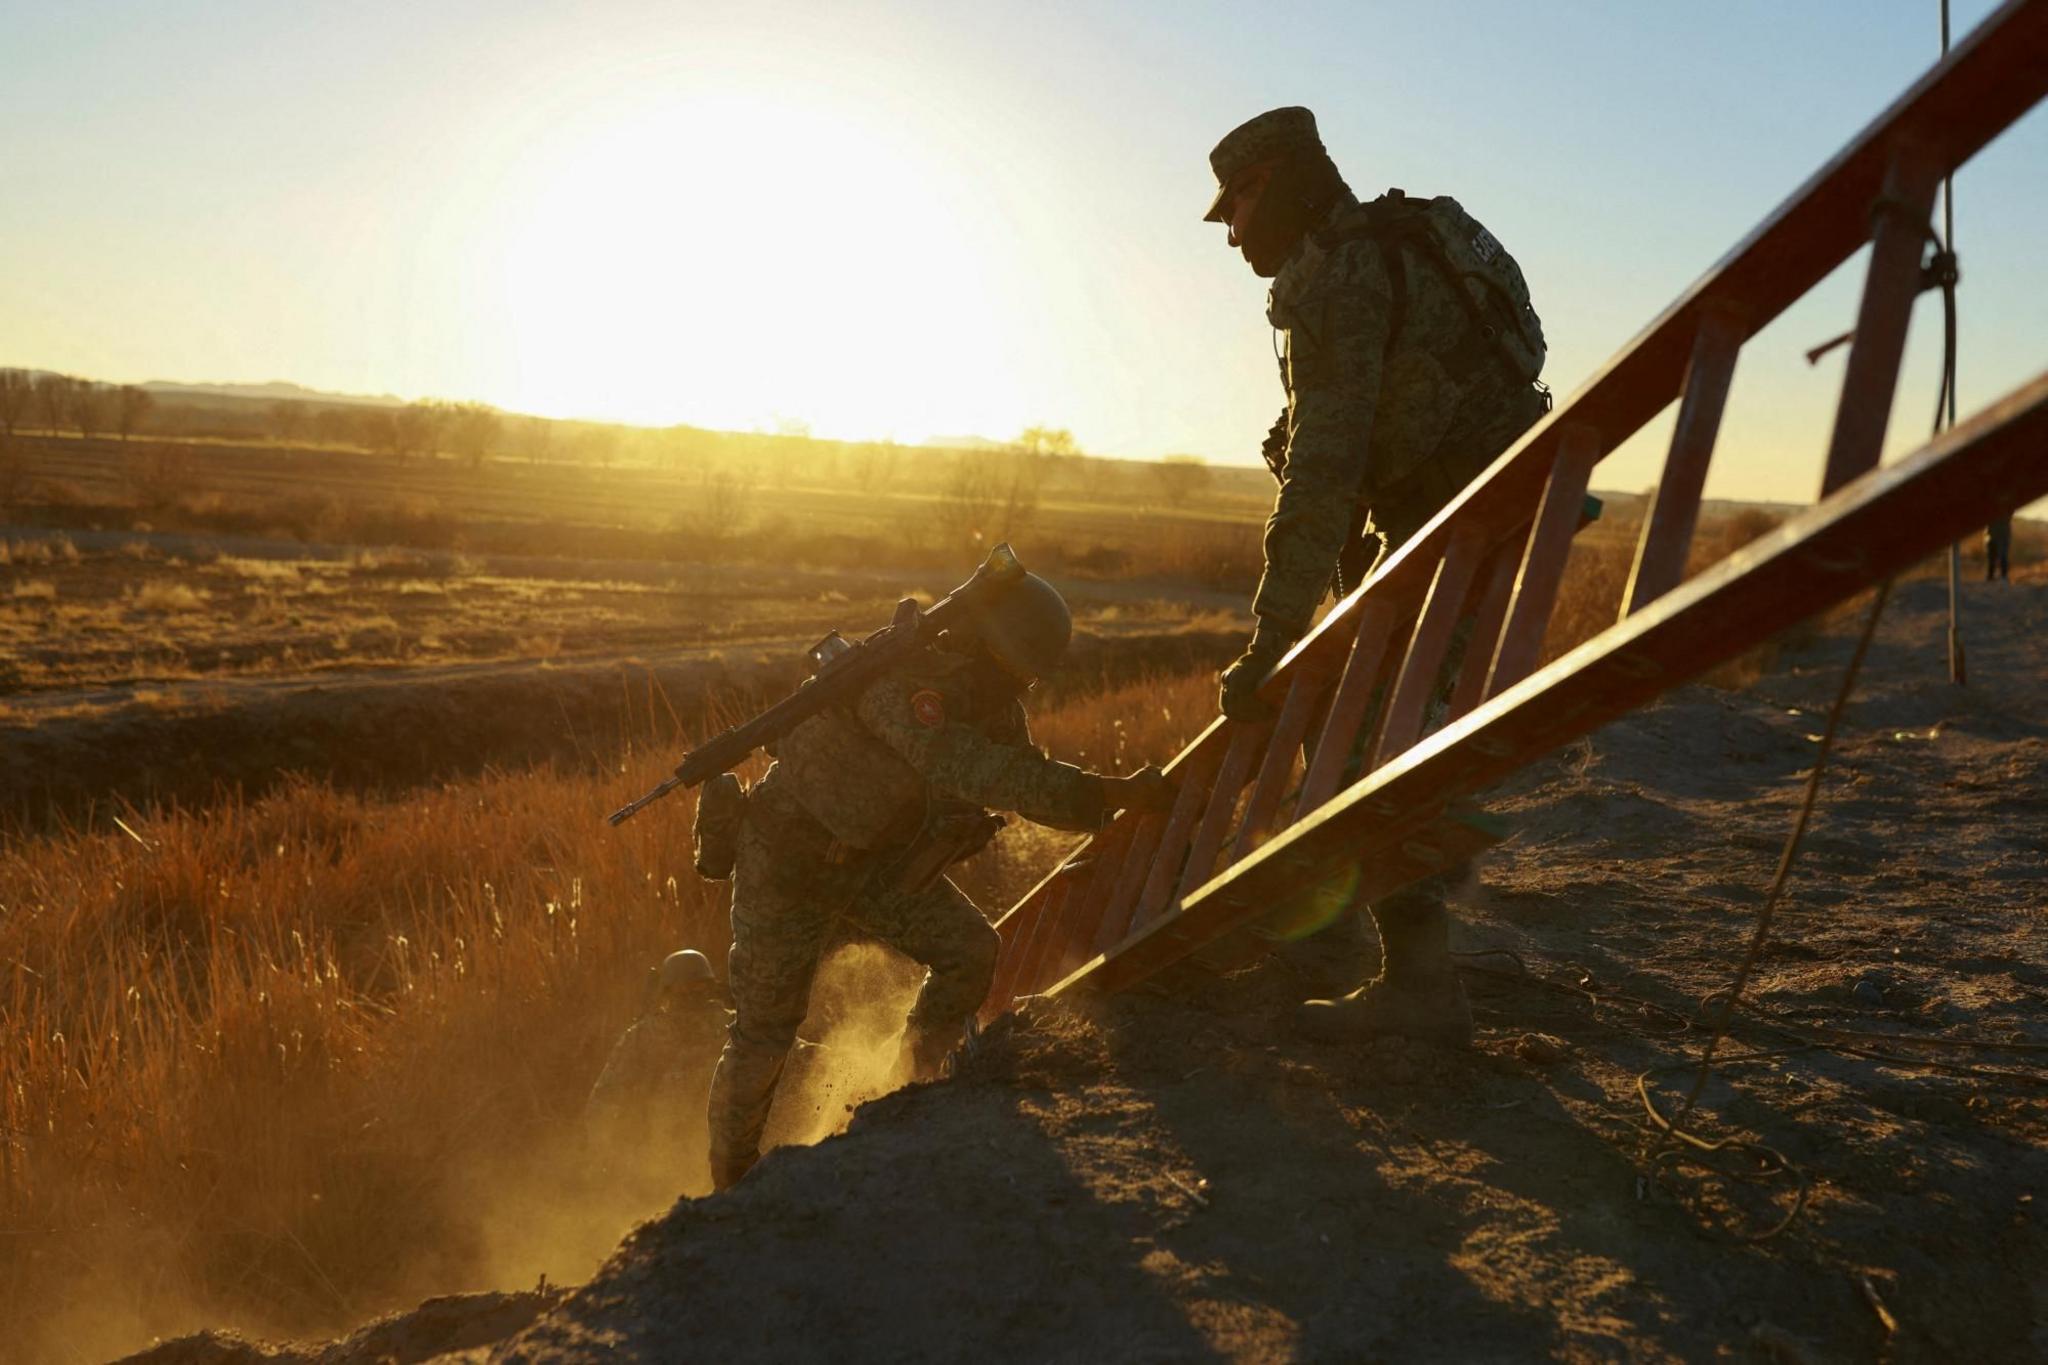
(725, 259)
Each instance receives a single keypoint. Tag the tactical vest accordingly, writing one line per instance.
(859, 789)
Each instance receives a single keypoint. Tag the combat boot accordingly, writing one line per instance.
(925, 1051)
(1417, 993)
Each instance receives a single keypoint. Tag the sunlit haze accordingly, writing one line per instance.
(911, 220)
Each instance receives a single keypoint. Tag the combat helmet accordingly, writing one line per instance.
(686, 975)
(1026, 626)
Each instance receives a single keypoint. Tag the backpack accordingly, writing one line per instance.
(1471, 261)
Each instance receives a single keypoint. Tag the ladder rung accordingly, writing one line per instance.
(1431, 642)
(1349, 707)
(1013, 975)
(1543, 560)
(1496, 584)
(1195, 781)
(1903, 209)
(1311, 681)
(1077, 935)
(1247, 743)
(1123, 898)
(1674, 510)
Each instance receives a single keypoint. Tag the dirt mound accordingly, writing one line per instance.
(437, 1327)
(1154, 1178)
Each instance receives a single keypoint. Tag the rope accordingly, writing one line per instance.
(1791, 853)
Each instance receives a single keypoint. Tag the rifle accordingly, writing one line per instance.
(842, 671)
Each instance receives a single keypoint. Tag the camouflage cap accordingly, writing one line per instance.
(1273, 135)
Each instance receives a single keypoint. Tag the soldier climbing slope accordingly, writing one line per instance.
(867, 803)
(653, 1085)
(1409, 355)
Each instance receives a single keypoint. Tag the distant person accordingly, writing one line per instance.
(1409, 355)
(1998, 550)
(655, 1086)
(853, 826)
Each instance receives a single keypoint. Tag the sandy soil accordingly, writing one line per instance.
(1168, 1179)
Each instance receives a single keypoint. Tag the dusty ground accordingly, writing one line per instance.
(1185, 1179)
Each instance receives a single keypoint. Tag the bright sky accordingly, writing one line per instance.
(903, 218)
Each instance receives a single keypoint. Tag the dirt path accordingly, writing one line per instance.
(1186, 1179)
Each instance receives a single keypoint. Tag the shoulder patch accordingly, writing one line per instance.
(929, 708)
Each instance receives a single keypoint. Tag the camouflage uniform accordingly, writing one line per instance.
(1401, 387)
(1394, 429)
(654, 1084)
(849, 789)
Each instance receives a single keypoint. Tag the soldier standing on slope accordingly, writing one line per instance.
(845, 826)
(1409, 358)
(653, 1085)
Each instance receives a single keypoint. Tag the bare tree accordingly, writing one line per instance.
(992, 495)
(416, 429)
(1053, 441)
(16, 389)
(337, 426)
(532, 437)
(968, 501)
(872, 466)
(53, 400)
(377, 429)
(598, 445)
(472, 431)
(286, 420)
(161, 473)
(89, 408)
(132, 405)
(1180, 477)
(722, 502)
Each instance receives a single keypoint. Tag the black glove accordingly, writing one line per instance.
(1240, 698)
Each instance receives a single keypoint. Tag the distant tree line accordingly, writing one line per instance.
(62, 403)
(976, 496)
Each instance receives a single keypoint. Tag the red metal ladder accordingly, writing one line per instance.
(1213, 881)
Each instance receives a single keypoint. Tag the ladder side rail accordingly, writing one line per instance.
(1875, 527)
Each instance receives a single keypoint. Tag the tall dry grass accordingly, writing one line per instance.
(285, 1063)
(259, 1059)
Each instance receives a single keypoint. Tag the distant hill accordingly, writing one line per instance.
(277, 390)
(964, 443)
